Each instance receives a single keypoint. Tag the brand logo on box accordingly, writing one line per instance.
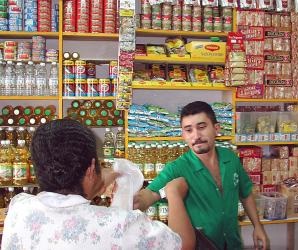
(212, 47)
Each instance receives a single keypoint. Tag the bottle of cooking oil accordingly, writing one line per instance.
(138, 158)
(149, 170)
(131, 151)
(5, 163)
(32, 176)
(163, 211)
(160, 162)
(119, 145)
(20, 165)
(108, 144)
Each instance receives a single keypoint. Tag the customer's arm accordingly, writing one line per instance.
(144, 199)
(259, 232)
(178, 219)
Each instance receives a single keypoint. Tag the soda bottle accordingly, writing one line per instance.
(28, 110)
(149, 170)
(108, 144)
(41, 80)
(32, 120)
(30, 80)
(119, 145)
(18, 110)
(8, 197)
(39, 110)
(108, 104)
(53, 80)
(10, 79)
(99, 122)
(75, 104)
(50, 110)
(5, 164)
(88, 121)
(7, 110)
(20, 165)
(20, 79)
(2, 83)
(96, 104)
(87, 104)
(11, 120)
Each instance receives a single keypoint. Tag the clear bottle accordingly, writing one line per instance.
(20, 79)
(10, 79)
(20, 165)
(108, 144)
(41, 80)
(5, 164)
(2, 73)
(30, 80)
(120, 144)
(53, 80)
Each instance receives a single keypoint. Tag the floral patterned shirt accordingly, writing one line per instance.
(50, 221)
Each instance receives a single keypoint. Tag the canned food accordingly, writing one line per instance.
(104, 87)
(69, 87)
(91, 70)
(208, 12)
(92, 87)
(176, 23)
(208, 24)
(81, 87)
(80, 69)
(166, 23)
(186, 10)
(145, 7)
(186, 23)
(156, 22)
(146, 22)
(166, 9)
(68, 69)
(156, 9)
(217, 26)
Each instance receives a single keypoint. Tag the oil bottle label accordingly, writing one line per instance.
(152, 212)
(5, 171)
(159, 167)
(19, 171)
(108, 152)
(163, 211)
(32, 172)
(120, 152)
(148, 167)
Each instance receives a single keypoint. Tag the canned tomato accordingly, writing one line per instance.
(176, 23)
(80, 69)
(197, 24)
(104, 87)
(68, 69)
(156, 9)
(81, 87)
(166, 9)
(217, 25)
(92, 87)
(177, 10)
(69, 88)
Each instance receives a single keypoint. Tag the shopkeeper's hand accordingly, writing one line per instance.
(260, 238)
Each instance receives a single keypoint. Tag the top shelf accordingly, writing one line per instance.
(24, 34)
(162, 33)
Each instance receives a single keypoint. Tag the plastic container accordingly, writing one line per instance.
(275, 206)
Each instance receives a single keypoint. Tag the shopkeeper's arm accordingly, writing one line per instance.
(259, 233)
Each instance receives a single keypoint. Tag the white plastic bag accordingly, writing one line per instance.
(130, 182)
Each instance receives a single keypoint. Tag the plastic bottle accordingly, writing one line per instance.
(18, 110)
(163, 211)
(108, 145)
(10, 79)
(20, 164)
(2, 73)
(119, 145)
(32, 176)
(53, 80)
(149, 170)
(160, 163)
(20, 79)
(30, 80)
(5, 164)
(11, 135)
(138, 158)
(41, 80)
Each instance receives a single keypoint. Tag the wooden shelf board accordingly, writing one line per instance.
(29, 98)
(265, 143)
(90, 36)
(266, 222)
(265, 100)
(24, 34)
(162, 33)
(88, 98)
(171, 60)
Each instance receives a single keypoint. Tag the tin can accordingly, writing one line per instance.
(207, 12)
(208, 24)
(156, 22)
(177, 10)
(227, 12)
(92, 87)
(197, 24)
(114, 87)
(186, 23)
(176, 23)
(146, 21)
(166, 9)
(104, 87)
(68, 69)
(156, 9)
(217, 25)
(145, 7)
(166, 23)
(80, 69)
(186, 10)
(196, 11)
(69, 88)
(81, 87)
(91, 70)
(227, 25)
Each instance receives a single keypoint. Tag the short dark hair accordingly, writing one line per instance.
(197, 107)
(61, 151)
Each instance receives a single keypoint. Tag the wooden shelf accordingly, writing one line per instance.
(265, 100)
(176, 138)
(88, 97)
(162, 33)
(24, 34)
(266, 222)
(171, 60)
(265, 143)
(175, 86)
(90, 36)
(29, 98)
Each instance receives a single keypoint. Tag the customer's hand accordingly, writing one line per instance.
(108, 177)
(177, 187)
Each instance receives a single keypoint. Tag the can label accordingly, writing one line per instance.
(104, 87)
(68, 69)
(68, 87)
(80, 69)
(81, 87)
(92, 87)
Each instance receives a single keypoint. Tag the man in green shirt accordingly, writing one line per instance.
(216, 181)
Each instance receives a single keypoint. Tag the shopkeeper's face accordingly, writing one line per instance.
(199, 132)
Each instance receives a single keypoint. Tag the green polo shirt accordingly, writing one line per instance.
(207, 207)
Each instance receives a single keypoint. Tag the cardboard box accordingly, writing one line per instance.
(292, 194)
(205, 50)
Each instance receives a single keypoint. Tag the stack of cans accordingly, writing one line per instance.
(44, 16)
(38, 48)
(30, 15)
(24, 51)
(186, 17)
(69, 15)
(52, 55)
(3, 15)
(15, 15)
(156, 16)
(110, 12)
(83, 16)
(10, 50)
(197, 18)
(96, 16)
(55, 18)
(177, 12)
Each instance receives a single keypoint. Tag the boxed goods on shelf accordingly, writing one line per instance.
(275, 206)
(289, 188)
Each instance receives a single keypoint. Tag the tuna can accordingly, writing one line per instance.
(69, 87)
(104, 87)
(80, 69)
(92, 87)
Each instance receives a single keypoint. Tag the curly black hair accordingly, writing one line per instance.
(61, 152)
(198, 107)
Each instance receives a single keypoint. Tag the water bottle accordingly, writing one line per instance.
(53, 80)
(2, 71)
(41, 80)
(30, 81)
(20, 79)
(10, 79)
